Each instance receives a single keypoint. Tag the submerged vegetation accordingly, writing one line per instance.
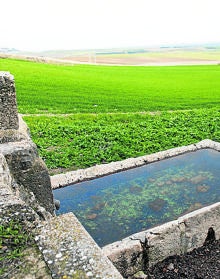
(119, 205)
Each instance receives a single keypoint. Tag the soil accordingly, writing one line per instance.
(201, 263)
(116, 61)
(139, 60)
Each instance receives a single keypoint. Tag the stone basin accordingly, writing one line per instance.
(115, 206)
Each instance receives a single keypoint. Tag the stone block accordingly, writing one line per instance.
(126, 255)
(70, 252)
(29, 171)
(197, 224)
(8, 104)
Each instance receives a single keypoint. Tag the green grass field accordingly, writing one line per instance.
(88, 89)
(106, 104)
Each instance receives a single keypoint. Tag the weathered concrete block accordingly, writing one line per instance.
(197, 224)
(207, 143)
(70, 252)
(126, 255)
(8, 104)
(7, 197)
(29, 171)
(33, 266)
(12, 135)
(164, 240)
(5, 177)
(172, 238)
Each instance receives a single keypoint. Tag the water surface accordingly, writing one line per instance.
(118, 205)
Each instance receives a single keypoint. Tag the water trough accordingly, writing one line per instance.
(159, 194)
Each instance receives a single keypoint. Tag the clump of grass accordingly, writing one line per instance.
(14, 239)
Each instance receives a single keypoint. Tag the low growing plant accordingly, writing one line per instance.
(13, 241)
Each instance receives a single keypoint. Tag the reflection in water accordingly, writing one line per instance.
(118, 205)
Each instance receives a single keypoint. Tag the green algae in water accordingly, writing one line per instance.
(118, 205)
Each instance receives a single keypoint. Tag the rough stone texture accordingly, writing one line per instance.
(173, 238)
(126, 255)
(13, 135)
(5, 176)
(8, 105)
(207, 143)
(29, 172)
(70, 252)
(32, 267)
(26, 198)
(72, 177)
(7, 197)
(197, 224)
(14, 209)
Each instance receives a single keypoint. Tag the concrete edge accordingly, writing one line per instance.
(72, 177)
(144, 249)
(70, 252)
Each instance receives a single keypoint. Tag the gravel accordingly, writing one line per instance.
(201, 263)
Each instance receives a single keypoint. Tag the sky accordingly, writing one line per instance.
(90, 24)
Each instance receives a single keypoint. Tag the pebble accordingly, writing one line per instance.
(37, 238)
(170, 266)
(89, 274)
(59, 255)
(4, 248)
(91, 261)
(45, 251)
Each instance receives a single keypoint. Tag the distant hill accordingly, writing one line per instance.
(156, 55)
(9, 50)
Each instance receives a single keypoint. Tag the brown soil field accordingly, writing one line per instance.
(123, 60)
(139, 60)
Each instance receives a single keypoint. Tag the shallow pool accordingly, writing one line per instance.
(118, 205)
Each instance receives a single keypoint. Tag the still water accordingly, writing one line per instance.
(118, 205)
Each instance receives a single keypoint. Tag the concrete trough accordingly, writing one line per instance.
(141, 250)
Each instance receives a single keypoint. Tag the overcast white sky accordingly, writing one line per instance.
(74, 24)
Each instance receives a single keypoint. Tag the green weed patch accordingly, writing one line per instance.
(13, 241)
(83, 140)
